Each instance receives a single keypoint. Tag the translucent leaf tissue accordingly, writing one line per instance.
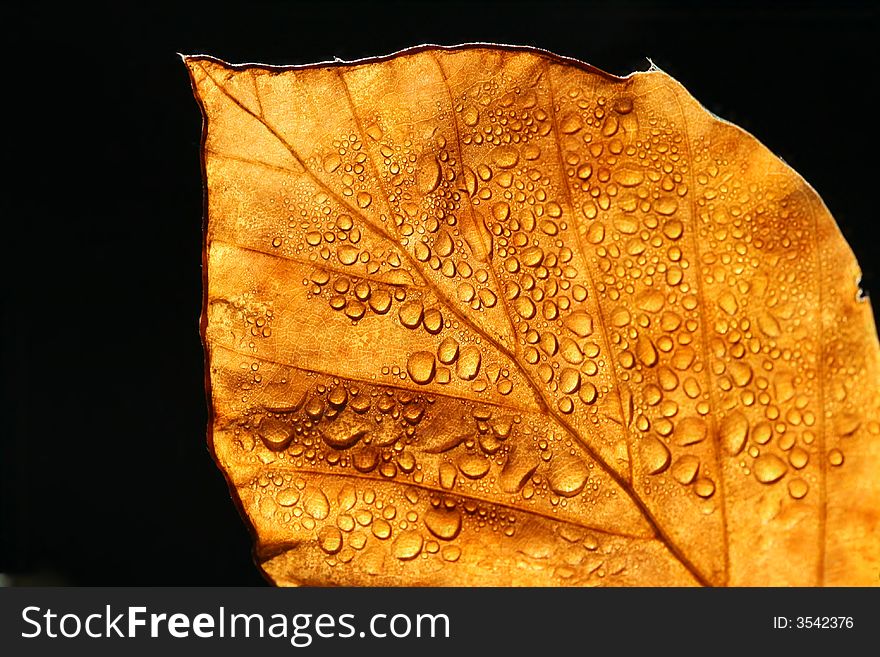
(488, 316)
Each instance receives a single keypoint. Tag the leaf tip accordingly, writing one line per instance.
(192, 62)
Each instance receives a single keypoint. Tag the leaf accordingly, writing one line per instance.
(487, 316)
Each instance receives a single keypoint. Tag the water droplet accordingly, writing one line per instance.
(847, 424)
(408, 545)
(569, 380)
(447, 352)
(620, 317)
(532, 256)
(685, 469)
(381, 528)
(275, 435)
(465, 292)
(500, 211)
(588, 393)
(665, 205)
(570, 123)
(579, 323)
(347, 254)
(628, 177)
(769, 468)
(451, 553)
(626, 224)
(332, 162)
(798, 457)
(655, 455)
(380, 302)
(741, 373)
(410, 314)
(433, 321)
(366, 459)
(733, 432)
(288, 497)
(422, 252)
(762, 433)
(373, 561)
(443, 244)
(421, 367)
(470, 116)
(428, 174)
(360, 404)
(568, 476)
(768, 324)
(690, 430)
(524, 307)
(673, 229)
(443, 523)
(413, 413)
(727, 303)
(609, 128)
(315, 503)
(343, 434)
(374, 132)
(469, 361)
(314, 408)
(488, 298)
(355, 310)
(549, 227)
(330, 539)
(835, 457)
(798, 488)
(505, 157)
(447, 474)
(473, 466)
(704, 487)
(650, 301)
(646, 351)
(570, 351)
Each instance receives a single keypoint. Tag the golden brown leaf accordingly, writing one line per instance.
(486, 316)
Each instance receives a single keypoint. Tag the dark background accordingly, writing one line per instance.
(106, 478)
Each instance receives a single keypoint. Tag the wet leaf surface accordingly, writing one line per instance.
(485, 316)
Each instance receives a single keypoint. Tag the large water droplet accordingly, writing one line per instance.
(428, 174)
(330, 539)
(655, 455)
(469, 361)
(408, 545)
(568, 476)
(473, 466)
(316, 503)
(769, 468)
(343, 434)
(690, 430)
(685, 469)
(579, 323)
(443, 523)
(421, 367)
(411, 313)
(733, 432)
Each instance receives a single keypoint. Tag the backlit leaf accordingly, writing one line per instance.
(487, 316)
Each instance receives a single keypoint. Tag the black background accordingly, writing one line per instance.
(106, 478)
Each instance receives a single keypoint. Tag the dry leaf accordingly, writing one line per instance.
(487, 316)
